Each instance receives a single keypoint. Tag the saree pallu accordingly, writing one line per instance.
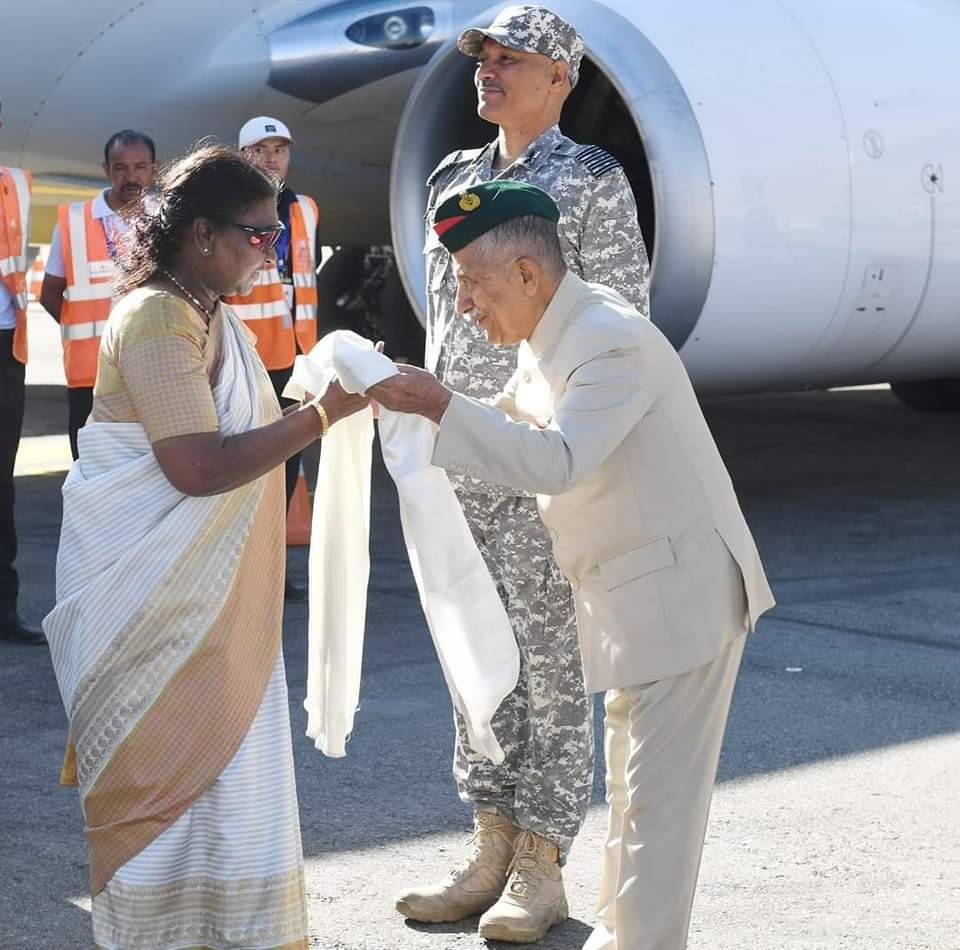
(166, 644)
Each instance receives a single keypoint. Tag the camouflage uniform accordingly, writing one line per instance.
(545, 726)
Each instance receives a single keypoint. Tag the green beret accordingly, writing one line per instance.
(463, 217)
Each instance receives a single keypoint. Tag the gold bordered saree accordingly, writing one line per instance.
(166, 643)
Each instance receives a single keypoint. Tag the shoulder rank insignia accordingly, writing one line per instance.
(469, 201)
(454, 158)
(598, 161)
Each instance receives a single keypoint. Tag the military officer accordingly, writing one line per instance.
(601, 420)
(528, 61)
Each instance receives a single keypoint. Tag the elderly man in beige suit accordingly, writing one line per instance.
(601, 421)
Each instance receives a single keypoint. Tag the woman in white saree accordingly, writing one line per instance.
(166, 635)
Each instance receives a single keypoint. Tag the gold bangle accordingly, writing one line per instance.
(324, 418)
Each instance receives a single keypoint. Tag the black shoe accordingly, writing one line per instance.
(14, 630)
(293, 592)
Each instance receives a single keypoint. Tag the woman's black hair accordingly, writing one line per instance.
(212, 181)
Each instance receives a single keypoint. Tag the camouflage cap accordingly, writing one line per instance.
(529, 29)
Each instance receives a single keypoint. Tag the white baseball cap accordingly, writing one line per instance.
(260, 128)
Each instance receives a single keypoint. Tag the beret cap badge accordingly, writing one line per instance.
(466, 215)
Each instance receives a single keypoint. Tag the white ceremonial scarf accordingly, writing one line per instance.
(467, 621)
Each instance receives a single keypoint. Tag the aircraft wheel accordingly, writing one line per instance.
(929, 395)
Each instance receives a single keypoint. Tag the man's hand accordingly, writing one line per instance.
(51, 295)
(413, 390)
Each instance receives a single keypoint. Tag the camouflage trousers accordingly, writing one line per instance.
(545, 726)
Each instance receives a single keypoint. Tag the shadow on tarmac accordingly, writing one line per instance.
(573, 930)
(46, 411)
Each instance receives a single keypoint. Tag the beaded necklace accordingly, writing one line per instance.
(173, 280)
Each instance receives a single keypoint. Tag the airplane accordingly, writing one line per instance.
(793, 160)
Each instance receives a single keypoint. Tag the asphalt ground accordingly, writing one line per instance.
(836, 817)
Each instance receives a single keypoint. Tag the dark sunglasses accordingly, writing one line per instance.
(261, 238)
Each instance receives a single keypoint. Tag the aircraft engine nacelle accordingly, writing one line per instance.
(793, 167)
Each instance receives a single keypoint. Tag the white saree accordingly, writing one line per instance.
(166, 643)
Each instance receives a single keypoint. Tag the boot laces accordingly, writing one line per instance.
(528, 868)
(479, 841)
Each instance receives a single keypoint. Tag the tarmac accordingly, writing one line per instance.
(836, 817)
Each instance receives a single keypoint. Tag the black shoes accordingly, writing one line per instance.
(293, 592)
(14, 630)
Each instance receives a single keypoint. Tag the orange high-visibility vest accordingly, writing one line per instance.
(265, 310)
(89, 292)
(35, 274)
(15, 185)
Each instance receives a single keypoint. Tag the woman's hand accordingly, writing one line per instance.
(339, 404)
(207, 463)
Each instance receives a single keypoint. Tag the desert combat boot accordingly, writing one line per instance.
(533, 899)
(476, 884)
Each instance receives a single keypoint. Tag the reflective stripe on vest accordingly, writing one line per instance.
(268, 310)
(82, 331)
(9, 265)
(304, 258)
(84, 292)
(89, 292)
(265, 309)
(15, 185)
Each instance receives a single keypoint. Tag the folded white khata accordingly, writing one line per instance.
(470, 629)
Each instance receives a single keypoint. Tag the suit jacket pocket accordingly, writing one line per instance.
(653, 555)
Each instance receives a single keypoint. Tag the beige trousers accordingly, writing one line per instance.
(662, 743)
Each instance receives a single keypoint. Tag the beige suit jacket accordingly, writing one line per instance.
(601, 421)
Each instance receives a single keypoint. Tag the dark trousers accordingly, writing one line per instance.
(12, 392)
(280, 378)
(79, 402)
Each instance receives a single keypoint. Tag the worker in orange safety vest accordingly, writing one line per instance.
(281, 309)
(77, 288)
(15, 186)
